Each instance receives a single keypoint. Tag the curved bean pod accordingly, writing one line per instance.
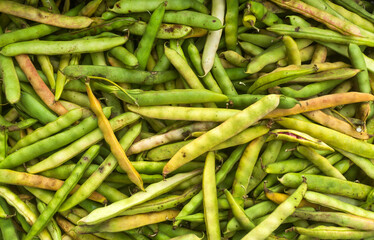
(326, 101)
(238, 212)
(324, 17)
(230, 127)
(332, 122)
(111, 139)
(152, 191)
(34, 14)
(245, 167)
(284, 210)
(272, 55)
(124, 223)
(163, 203)
(319, 34)
(213, 38)
(330, 137)
(321, 162)
(258, 210)
(336, 204)
(38, 85)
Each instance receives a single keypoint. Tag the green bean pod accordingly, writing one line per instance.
(210, 198)
(286, 166)
(46, 65)
(78, 146)
(193, 19)
(49, 129)
(120, 75)
(246, 164)
(222, 78)
(152, 191)
(125, 56)
(293, 53)
(315, 33)
(196, 201)
(365, 164)
(62, 47)
(275, 219)
(329, 232)
(299, 137)
(321, 162)
(63, 192)
(184, 113)
(195, 58)
(263, 14)
(268, 156)
(258, 210)
(231, 28)
(238, 212)
(244, 100)
(94, 30)
(130, 6)
(23, 209)
(10, 79)
(334, 74)
(145, 44)
(166, 202)
(272, 55)
(330, 137)
(52, 226)
(329, 185)
(49, 144)
(180, 63)
(351, 16)
(7, 227)
(311, 89)
(358, 62)
(166, 30)
(278, 77)
(98, 176)
(334, 23)
(354, 7)
(34, 14)
(3, 144)
(164, 97)
(336, 204)
(235, 124)
(341, 219)
(261, 40)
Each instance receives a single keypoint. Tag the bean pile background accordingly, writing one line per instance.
(186, 119)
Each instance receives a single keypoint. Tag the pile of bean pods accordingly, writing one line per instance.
(186, 119)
